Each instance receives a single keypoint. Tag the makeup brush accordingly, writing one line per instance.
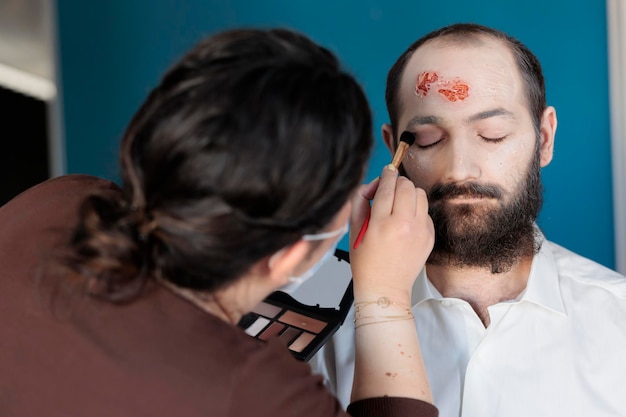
(406, 140)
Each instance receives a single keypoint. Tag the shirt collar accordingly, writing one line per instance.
(543, 286)
(542, 289)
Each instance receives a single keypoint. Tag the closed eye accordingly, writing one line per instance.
(492, 140)
(430, 145)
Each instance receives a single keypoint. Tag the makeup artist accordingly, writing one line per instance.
(240, 171)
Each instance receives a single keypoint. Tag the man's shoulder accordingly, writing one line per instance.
(577, 270)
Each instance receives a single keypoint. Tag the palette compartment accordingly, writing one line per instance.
(303, 328)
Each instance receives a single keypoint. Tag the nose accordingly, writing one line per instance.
(462, 160)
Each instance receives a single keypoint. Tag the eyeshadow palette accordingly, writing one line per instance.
(304, 328)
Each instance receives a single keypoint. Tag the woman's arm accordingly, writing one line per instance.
(399, 238)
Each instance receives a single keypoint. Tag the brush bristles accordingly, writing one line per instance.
(407, 137)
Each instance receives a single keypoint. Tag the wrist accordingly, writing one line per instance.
(380, 310)
(393, 294)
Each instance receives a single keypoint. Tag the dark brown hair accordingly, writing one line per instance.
(252, 139)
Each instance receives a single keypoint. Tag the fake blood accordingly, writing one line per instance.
(424, 80)
(454, 90)
(458, 90)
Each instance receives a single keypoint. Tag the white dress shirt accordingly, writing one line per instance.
(559, 349)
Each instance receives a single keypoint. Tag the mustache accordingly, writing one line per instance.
(470, 189)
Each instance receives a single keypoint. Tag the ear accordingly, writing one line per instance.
(389, 138)
(547, 131)
(282, 263)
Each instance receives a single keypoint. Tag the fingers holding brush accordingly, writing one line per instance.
(359, 217)
(399, 237)
(361, 209)
(406, 140)
(383, 201)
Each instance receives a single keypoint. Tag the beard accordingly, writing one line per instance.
(478, 235)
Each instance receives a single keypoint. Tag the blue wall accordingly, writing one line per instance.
(113, 52)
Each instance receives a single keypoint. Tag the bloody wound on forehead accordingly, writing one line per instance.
(451, 90)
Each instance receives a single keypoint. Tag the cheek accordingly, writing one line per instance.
(419, 169)
(507, 168)
(497, 164)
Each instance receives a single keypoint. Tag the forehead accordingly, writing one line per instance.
(461, 77)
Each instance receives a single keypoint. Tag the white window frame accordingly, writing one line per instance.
(616, 26)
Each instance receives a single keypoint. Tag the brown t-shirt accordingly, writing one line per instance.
(70, 355)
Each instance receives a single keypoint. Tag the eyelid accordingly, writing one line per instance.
(430, 145)
(426, 134)
(493, 140)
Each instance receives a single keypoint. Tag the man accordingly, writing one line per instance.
(510, 323)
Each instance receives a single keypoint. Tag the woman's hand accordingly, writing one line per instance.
(399, 237)
(398, 240)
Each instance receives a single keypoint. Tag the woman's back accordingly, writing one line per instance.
(159, 355)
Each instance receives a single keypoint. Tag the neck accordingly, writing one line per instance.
(479, 286)
(223, 304)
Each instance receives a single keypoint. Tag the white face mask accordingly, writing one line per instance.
(295, 282)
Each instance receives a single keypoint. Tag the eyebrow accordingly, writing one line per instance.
(424, 120)
(435, 120)
(491, 113)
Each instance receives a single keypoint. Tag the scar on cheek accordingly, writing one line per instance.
(451, 90)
